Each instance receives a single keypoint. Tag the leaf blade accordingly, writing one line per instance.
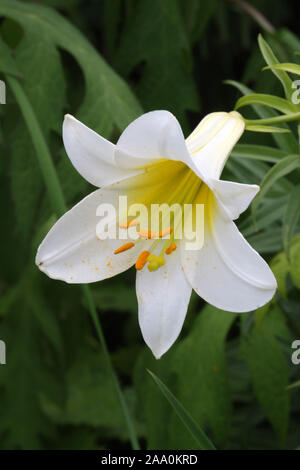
(280, 169)
(280, 104)
(197, 433)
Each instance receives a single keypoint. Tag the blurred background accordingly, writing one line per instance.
(106, 62)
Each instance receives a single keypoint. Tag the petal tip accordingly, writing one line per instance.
(158, 352)
(157, 356)
(69, 117)
(236, 114)
(38, 261)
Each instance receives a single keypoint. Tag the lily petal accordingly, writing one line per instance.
(154, 136)
(72, 252)
(211, 142)
(227, 272)
(163, 298)
(235, 197)
(92, 155)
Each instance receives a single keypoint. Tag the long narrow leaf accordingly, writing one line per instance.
(191, 425)
(286, 141)
(262, 128)
(257, 152)
(282, 168)
(287, 67)
(291, 218)
(271, 59)
(275, 102)
(7, 63)
(274, 120)
(294, 385)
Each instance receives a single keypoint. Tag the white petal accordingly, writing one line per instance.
(72, 252)
(163, 298)
(227, 272)
(154, 136)
(212, 141)
(92, 155)
(235, 197)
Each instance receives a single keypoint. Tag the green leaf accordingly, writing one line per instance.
(269, 370)
(257, 152)
(275, 102)
(105, 91)
(39, 61)
(107, 101)
(197, 16)
(280, 267)
(7, 62)
(199, 361)
(291, 218)
(288, 67)
(270, 211)
(295, 262)
(28, 374)
(152, 408)
(261, 128)
(253, 172)
(260, 314)
(274, 120)
(197, 433)
(271, 59)
(280, 169)
(161, 45)
(293, 385)
(268, 241)
(285, 142)
(106, 299)
(90, 394)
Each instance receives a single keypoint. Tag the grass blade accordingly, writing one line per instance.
(293, 385)
(275, 102)
(257, 152)
(291, 218)
(286, 141)
(287, 67)
(280, 169)
(256, 128)
(271, 59)
(191, 425)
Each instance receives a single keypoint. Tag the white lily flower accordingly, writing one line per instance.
(153, 163)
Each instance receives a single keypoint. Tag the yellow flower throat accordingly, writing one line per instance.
(167, 182)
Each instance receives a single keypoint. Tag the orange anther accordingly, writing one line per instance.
(125, 247)
(172, 247)
(146, 234)
(130, 223)
(142, 260)
(164, 232)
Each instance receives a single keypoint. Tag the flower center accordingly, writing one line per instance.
(165, 189)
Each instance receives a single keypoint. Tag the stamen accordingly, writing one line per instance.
(164, 232)
(125, 247)
(130, 223)
(172, 247)
(142, 260)
(155, 262)
(146, 234)
(161, 260)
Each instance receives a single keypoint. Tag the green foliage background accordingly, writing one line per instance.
(106, 62)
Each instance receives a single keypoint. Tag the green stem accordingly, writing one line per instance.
(44, 158)
(59, 207)
(93, 312)
(274, 120)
